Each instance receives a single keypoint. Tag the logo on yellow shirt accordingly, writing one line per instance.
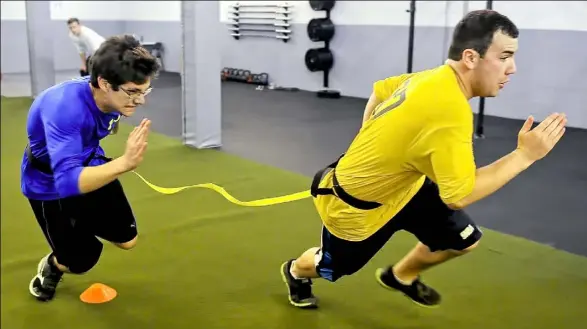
(396, 99)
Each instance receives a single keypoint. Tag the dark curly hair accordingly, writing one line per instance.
(121, 59)
(475, 31)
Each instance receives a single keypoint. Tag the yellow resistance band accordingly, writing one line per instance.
(255, 203)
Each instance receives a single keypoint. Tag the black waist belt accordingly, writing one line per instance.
(338, 191)
(46, 167)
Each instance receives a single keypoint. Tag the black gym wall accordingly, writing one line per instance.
(370, 43)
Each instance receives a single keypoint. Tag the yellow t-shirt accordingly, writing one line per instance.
(423, 128)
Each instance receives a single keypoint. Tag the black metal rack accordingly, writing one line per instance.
(259, 20)
(479, 130)
(412, 12)
(321, 59)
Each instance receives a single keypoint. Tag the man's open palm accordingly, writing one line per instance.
(538, 142)
(136, 145)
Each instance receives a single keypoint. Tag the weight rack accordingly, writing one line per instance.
(321, 59)
(244, 76)
(258, 20)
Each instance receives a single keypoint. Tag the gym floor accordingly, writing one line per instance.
(200, 259)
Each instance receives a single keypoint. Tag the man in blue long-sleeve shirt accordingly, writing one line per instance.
(72, 187)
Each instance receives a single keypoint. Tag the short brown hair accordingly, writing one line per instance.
(121, 59)
(475, 31)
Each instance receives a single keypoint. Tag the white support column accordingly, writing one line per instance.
(201, 66)
(40, 42)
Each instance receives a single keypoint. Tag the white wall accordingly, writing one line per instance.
(546, 15)
(87, 10)
(12, 10)
(167, 11)
(570, 15)
(62, 10)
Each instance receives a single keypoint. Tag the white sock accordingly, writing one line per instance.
(291, 271)
(401, 281)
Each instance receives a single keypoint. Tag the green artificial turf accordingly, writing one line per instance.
(202, 262)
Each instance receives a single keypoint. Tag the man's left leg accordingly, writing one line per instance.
(421, 258)
(443, 233)
(73, 248)
(334, 259)
(298, 274)
(86, 72)
(404, 276)
(112, 217)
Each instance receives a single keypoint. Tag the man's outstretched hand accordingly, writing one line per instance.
(536, 143)
(136, 145)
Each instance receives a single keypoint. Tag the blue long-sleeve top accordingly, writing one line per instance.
(64, 127)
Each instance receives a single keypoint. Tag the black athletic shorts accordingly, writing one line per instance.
(87, 72)
(72, 224)
(426, 216)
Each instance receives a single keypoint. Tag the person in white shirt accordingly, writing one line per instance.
(86, 41)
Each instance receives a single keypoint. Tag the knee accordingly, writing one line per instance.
(127, 245)
(82, 263)
(335, 273)
(308, 260)
(471, 247)
(334, 269)
(466, 250)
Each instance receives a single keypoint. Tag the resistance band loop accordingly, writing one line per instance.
(255, 203)
(172, 190)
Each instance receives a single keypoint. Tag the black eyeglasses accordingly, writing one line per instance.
(134, 94)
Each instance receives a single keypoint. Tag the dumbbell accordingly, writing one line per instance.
(233, 74)
(260, 79)
(225, 73)
(263, 79)
(246, 77)
(239, 75)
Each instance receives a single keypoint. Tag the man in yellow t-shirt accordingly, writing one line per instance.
(411, 167)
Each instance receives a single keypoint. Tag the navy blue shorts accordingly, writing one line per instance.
(426, 216)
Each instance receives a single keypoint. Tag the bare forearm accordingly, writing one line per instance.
(494, 176)
(82, 56)
(93, 178)
(370, 107)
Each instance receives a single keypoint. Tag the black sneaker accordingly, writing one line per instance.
(300, 291)
(418, 292)
(43, 285)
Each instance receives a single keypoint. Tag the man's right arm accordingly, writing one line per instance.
(490, 178)
(533, 144)
(372, 103)
(382, 90)
(460, 182)
(63, 131)
(93, 178)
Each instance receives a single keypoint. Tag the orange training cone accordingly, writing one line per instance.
(98, 293)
